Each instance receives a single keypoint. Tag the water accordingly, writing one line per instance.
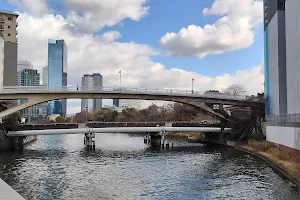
(122, 167)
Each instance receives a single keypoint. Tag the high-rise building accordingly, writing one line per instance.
(29, 77)
(282, 72)
(8, 31)
(45, 75)
(44, 106)
(1, 61)
(91, 81)
(8, 26)
(24, 64)
(57, 73)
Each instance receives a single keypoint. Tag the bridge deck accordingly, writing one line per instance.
(117, 130)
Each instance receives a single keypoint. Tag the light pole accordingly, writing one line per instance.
(120, 78)
(86, 114)
(193, 85)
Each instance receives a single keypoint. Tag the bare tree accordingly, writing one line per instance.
(235, 90)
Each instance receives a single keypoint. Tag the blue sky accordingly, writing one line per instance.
(210, 38)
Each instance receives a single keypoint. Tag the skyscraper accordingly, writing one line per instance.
(91, 81)
(57, 73)
(29, 77)
(8, 31)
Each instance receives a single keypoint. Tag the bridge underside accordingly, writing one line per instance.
(34, 98)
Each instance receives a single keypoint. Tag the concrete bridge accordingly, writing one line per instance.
(38, 94)
(159, 130)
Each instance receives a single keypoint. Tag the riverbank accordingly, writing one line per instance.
(283, 159)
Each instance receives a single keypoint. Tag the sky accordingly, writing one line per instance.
(156, 43)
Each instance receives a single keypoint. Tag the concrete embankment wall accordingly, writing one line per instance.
(287, 136)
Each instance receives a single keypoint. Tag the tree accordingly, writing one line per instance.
(235, 90)
(107, 115)
(60, 119)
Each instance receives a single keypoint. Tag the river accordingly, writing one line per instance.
(123, 167)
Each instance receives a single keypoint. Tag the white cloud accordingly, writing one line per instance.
(233, 31)
(91, 16)
(88, 53)
(34, 7)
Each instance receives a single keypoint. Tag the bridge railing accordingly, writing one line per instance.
(123, 90)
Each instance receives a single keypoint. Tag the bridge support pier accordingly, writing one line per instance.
(16, 143)
(155, 140)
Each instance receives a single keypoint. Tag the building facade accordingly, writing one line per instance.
(24, 64)
(282, 72)
(8, 26)
(129, 103)
(1, 61)
(29, 77)
(8, 32)
(57, 74)
(91, 81)
(43, 106)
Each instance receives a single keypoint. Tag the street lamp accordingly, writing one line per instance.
(193, 85)
(86, 114)
(120, 72)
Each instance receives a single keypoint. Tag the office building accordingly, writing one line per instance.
(91, 81)
(8, 32)
(8, 26)
(44, 106)
(57, 74)
(1, 61)
(129, 103)
(24, 64)
(282, 72)
(29, 77)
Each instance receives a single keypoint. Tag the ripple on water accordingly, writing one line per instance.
(122, 167)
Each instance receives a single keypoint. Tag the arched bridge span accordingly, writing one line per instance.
(37, 95)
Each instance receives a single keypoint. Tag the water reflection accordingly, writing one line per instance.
(123, 167)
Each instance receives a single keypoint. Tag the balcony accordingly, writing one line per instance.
(2, 19)
(1, 27)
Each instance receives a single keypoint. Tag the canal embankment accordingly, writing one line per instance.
(283, 159)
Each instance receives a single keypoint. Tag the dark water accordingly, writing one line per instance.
(122, 167)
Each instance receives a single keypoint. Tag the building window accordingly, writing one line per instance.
(9, 18)
(9, 34)
(9, 27)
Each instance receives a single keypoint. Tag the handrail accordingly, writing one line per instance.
(118, 90)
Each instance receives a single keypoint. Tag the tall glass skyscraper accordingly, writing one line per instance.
(29, 77)
(57, 73)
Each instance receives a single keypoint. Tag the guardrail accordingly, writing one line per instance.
(118, 90)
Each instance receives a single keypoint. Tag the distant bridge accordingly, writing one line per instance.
(162, 129)
(38, 94)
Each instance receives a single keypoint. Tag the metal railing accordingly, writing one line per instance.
(117, 90)
(291, 120)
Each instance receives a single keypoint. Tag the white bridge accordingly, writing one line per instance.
(159, 130)
(39, 94)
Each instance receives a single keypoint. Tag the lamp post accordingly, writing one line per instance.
(86, 114)
(193, 85)
(120, 72)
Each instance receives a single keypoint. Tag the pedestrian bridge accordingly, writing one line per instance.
(39, 94)
(160, 130)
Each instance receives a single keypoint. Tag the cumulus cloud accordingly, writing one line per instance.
(90, 53)
(93, 15)
(233, 31)
(34, 7)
